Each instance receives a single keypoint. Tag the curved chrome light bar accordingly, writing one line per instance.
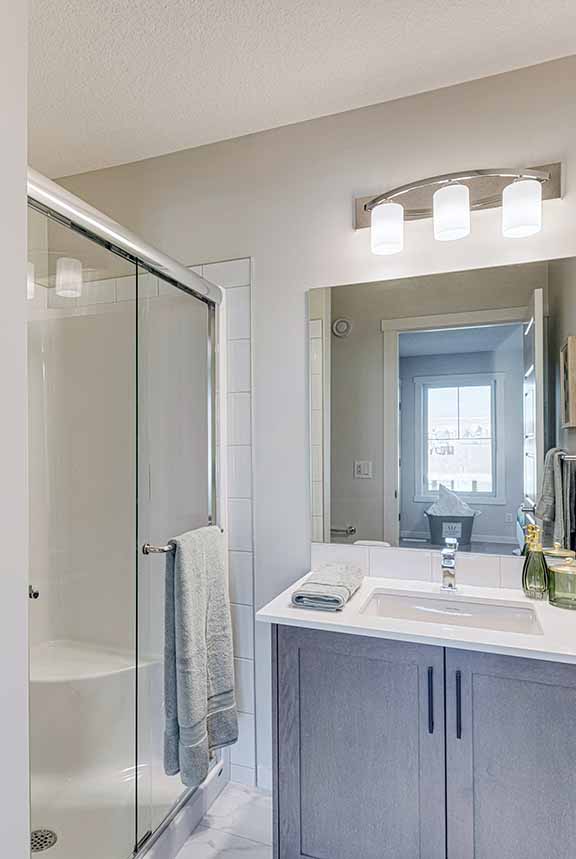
(461, 176)
(54, 198)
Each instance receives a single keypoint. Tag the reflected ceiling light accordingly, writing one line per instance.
(450, 199)
(30, 282)
(387, 229)
(451, 206)
(68, 277)
(522, 209)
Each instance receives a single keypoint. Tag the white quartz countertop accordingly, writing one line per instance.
(557, 641)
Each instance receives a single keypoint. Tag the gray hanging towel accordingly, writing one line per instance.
(550, 506)
(569, 482)
(199, 697)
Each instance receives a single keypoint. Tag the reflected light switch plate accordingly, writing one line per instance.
(363, 469)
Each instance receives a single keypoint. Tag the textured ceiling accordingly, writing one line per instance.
(113, 81)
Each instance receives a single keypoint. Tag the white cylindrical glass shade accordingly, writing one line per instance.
(451, 206)
(387, 229)
(69, 277)
(522, 209)
(30, 282)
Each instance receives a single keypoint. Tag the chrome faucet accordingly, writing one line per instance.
(448, 564)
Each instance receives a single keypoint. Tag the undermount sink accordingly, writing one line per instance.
(453, 610)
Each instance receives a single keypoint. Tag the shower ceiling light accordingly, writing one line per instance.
(68, 277)
(450, 198)
(451, 212)
(387, 233)
(30, 282)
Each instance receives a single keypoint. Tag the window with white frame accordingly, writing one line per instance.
(459, 419)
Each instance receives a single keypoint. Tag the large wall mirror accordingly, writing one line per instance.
(434, 401)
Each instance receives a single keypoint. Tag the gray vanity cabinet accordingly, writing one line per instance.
(511, 757)
(359, 746)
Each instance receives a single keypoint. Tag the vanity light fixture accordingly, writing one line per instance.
(451, 206)
(387, 233)
(68, 277)
(30, 281)
(450, 199)
(522, 209)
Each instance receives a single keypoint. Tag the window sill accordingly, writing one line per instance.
(472, 500)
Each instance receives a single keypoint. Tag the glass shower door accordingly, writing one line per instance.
(82, 476)
(175, 494)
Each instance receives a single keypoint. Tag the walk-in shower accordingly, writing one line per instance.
(121, 368)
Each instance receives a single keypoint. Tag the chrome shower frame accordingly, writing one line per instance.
(58, 204)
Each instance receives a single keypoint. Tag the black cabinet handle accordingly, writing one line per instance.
(430, 700)
(459, 705)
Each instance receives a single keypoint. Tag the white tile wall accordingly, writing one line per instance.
(316, 427)
(98, 292)
(244, 752)
(243, 630)
(241, 577)
(235, 277)
(239, 371)
(239, 419)
(240, 471)
(333, 553)
(402, 564)
(126, 288)
(244, 671)
(240, 524)
(234, 272)
(489, 571)
(238, 301)
(316, 371)
(511, 572)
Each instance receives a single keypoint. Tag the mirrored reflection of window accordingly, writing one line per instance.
(458, 437)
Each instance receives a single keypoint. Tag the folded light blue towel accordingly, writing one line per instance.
(199, 698)
(329, 588)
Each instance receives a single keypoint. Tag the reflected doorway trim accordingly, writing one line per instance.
(391, 329)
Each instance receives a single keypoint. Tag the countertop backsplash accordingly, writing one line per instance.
(489, 571)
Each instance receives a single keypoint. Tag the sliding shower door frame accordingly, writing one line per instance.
(59, 205)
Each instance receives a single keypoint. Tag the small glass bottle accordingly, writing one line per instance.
(535, 570)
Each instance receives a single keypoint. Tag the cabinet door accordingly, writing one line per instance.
(511, 757)
(359, 747)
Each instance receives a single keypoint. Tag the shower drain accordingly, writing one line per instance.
(42, 839)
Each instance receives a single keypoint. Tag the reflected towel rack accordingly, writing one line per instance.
(568, 457)
(348, 531)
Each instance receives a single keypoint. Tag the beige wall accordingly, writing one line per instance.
(284, 197)
(13, 500)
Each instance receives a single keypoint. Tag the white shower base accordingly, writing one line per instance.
(83, 751)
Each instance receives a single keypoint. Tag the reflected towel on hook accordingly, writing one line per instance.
(550, 506)
(199, 696)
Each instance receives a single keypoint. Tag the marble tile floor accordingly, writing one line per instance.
(238, 824)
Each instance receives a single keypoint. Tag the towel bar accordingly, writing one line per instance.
(149, 549)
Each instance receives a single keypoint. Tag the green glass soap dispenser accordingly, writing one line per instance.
(535, 570)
